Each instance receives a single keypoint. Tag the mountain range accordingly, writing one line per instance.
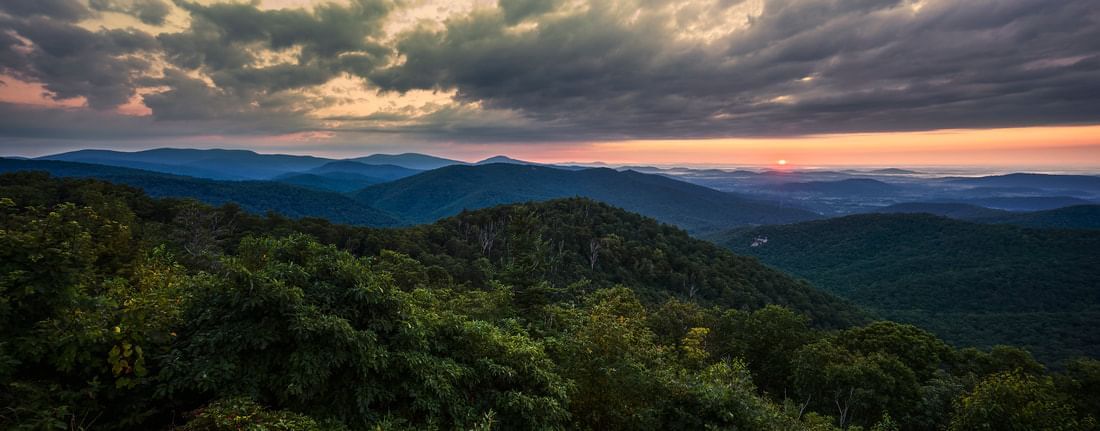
(431, 195)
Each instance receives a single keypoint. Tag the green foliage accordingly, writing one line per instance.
(1081, 382)
(240, 414)
(722, 397)
(608, 345)
(886, 424)
(859, 388)
(764, 339)
(577, 240)
(1014, 401)
(307, 327)
(918, 349)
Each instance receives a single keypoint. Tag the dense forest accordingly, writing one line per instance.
(119, 311)
(973, 284)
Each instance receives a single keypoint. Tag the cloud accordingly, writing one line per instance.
(265, 61)
(62, 10)
(647, 69)
(524, 70)
(101, 66)
(148, 11)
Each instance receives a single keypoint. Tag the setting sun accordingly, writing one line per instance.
(782, 162)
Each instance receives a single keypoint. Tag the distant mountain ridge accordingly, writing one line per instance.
(222, 164)
(1029, 203)
(254, 196)
(408, 160)
(435, 194)
(1046, 181)
(1071, 217)
(213, 164)
(447, 191)
(953, 210)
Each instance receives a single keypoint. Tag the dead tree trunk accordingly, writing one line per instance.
(594, 247)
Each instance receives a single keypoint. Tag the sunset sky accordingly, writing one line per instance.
(749, 82)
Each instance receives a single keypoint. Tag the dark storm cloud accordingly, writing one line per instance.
(872, 65)
(37, 122)
(102, 66)
(191, 99)
(230, 43)
(148, 11)
(559, 71)
(63, 10)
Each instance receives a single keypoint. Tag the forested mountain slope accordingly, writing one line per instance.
(577, 239)
(973, 284)
(128, 312)
(447, 191)
(333, 182)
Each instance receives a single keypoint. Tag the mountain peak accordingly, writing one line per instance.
(504, 159)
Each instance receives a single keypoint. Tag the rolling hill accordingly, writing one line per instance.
(1071, 217)
(973, 284)
(659, 261)
(381, 171)
(1041, 181)
(1029, 203)
(333, 182)
(447, 191)
(408, 160)
(953, 210)
(254, 196)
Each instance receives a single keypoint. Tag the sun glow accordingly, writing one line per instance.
(782, 162)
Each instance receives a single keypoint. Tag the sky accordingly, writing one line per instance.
(813, 82)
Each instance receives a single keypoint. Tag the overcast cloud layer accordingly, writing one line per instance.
(536, 70)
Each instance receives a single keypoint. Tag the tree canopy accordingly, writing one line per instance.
(122, 312)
